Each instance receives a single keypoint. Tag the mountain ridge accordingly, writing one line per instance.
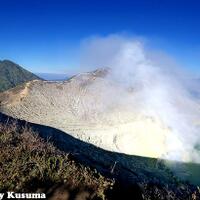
(12, 75)
(79, 106)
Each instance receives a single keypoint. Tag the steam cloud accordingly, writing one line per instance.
(161, 90)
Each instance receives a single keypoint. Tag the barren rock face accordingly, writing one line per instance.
(88, 107)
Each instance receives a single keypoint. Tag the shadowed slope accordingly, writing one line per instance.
(134, 174)
(30, 164)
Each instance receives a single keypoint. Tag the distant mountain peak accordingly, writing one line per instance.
(7, 61)
(12, 74)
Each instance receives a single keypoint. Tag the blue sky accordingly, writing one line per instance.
(44, 36)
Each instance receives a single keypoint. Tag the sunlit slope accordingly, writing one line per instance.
(86, 107)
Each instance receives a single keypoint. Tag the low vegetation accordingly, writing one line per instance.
(29, 164)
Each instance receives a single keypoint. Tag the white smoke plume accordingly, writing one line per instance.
(161, 89)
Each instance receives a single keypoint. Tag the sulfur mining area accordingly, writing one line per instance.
(96, 110)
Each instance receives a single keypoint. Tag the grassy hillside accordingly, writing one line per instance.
(12, 75)
(28, 164)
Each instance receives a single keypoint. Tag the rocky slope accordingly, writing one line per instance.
(84, 107)
(92, 116)
(12, 75)
(93, 108)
